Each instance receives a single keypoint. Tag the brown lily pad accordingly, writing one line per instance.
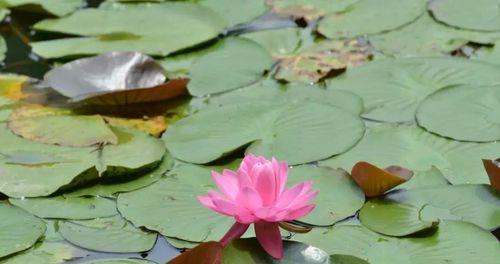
(492, 167)
(205, 253)
(319, 60)
(375, 181)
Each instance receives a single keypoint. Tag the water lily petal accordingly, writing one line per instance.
(269, 237)
(227, 182)
(235, 232)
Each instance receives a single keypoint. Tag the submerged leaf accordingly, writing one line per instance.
(136, 78)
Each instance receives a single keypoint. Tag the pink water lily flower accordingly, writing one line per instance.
(257, 194)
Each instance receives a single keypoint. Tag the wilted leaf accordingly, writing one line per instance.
(308, 9)
(205, 253)
(11, 86)
(136, 78)
(57, 126)
(467, 113)
(375, 181)
(316, 62)
(153, 125)
(492, 167)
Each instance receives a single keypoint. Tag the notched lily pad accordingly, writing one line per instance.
(114, 78)
(112, 234)
(375, 181)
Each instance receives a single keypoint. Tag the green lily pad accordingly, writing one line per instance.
(272, 91)
(352, 22)
(339, 196)
(277, 41)
(236, 11)
(427, 37)
(53, 129)
(318, 130)
(18, 230)
(478, 15)
(477, 204)
(237, 63)
(135, 152)
(415, 149)
(134, 28)
(47, 252)
(453, 242)
(55, 7)
(490, 55)
(428, 178)
(68, 208)
(181, 64)
(120, 261)
(393, 89)
(170, 206)
(113, 234)
(467, 113)
(392, 218)
(249, 251)
(112, 187)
